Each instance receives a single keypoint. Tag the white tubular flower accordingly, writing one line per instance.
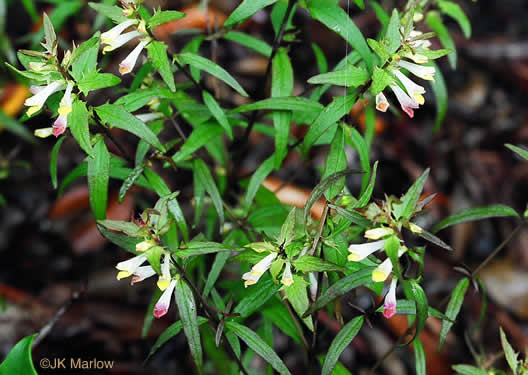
(385, 268)
(287, 278)
(65, 105)
(42, 94)
(43, 132)
(142, 273)
(406, 102)
(128, 267)
(120, 40)
(258, 270)
(420, 43)
(162, 306)
(381, 102)
(313, 285)
(417, 58)
(36, 89)
(111, 35)
(377, 233)
(389, 307)
(358, 252)
(165, 278)
(127, 65)
(424, 72)
(415, 91)
(147, 117)
(60, 124)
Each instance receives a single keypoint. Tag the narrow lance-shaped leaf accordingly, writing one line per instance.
(249, 41)
(212, 68)
(163, 17)
(203, 174)
(255, 343)
(356, 140)
(351, 76)
(98, 175)
(189, 318)
(408, 202)
(292, 103)
(94, 81)
(245, 10)
(18, 360)
(111, 11)
(53, 161)
(414, 291)
(256, 180)
(157, 51)
(257, 297)
(419, 358)
(440, 92)
(454, 11)
(336, 161)
(341, 341)
(468, 370)
(297, 295)
(393, 33)
(352, 216)
(78, 124)
(511, 356)
(434, 21)
(281, 85)
(129, 181)
(453, 308)
(476, 213)
(217, 112)
(518, 150)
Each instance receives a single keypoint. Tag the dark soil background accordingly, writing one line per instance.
(52, 256)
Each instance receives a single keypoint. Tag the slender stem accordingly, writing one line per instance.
(297, 324)
(391, 350)
(119, 146)
(497, 250)
(320, 228)
(274, 48)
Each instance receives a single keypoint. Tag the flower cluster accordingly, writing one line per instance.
(412, 97)
(358, 252)
(166, 281)
(266, 263)
(117, 37)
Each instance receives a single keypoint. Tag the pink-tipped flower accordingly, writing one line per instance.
(415, 91)
(60, 124)
(42, 94)
(424, 72)
(258, 270)
(382, 272)
(389, 307)
(358, 252)
(162, 306)
(129, 267)
(127, 65)
(406, 102)
(381, 102)
(120, 40)
(142, 273)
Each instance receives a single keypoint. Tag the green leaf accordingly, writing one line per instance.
(195, 248)
(381, 14)
(189, 318)
(149, 314)
(110, 11)
(212, 68)
(175, 210)
(380, 80)
(340, 343)
(156, 182)
(53, 161)
(417, 294)
(154, 257)
(307, 263)
(18, 360)
(419, 357)
(137, 99)
(157, 51)
(255, 343)
(344, 285)
(85, 60)
(454, 11)
(434, 21)
(292, 103)
(367, 194)
(350, 77)
(98, 175)
(433, 239)
(297, 295)
(320, 58)
(129, 181)
(84, 47)
(435, 54)
(352, 216)
(163, 17)
(336, 161)
(216, 268)
(453, 308)
(287, 231)
(408, 202)
(332, 113)
(511, 356)
(95, 81)
(356, 140)
(518, 150)
(336, 19)
(50, 38)
(468, 370)
(475, 213)
(78, 124)
(276, 312)
(360, 4)
(256, 180)
(440, 92)
(393, 33)
(200, 137)
(408, 307)
(127, 227)
(121, 240)
(202, 174)
(245, 10)
(249, 41)
(31, 9)
(380, 49)
(217, 112)
(281, 86)
(13, 126)
(258, 296)
(117, 116)
(321, 187)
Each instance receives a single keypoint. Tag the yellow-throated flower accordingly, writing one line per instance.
(381, 102)
(127, 65)
(424, 72)
(65, 107)
(407, 103)
(415, 91)
(258, 270)
(358, 252)
(41, 94)
(129, 267)
(165, 277)
(142, 273)
(382, 272)
(287, 278)
(108, 37)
